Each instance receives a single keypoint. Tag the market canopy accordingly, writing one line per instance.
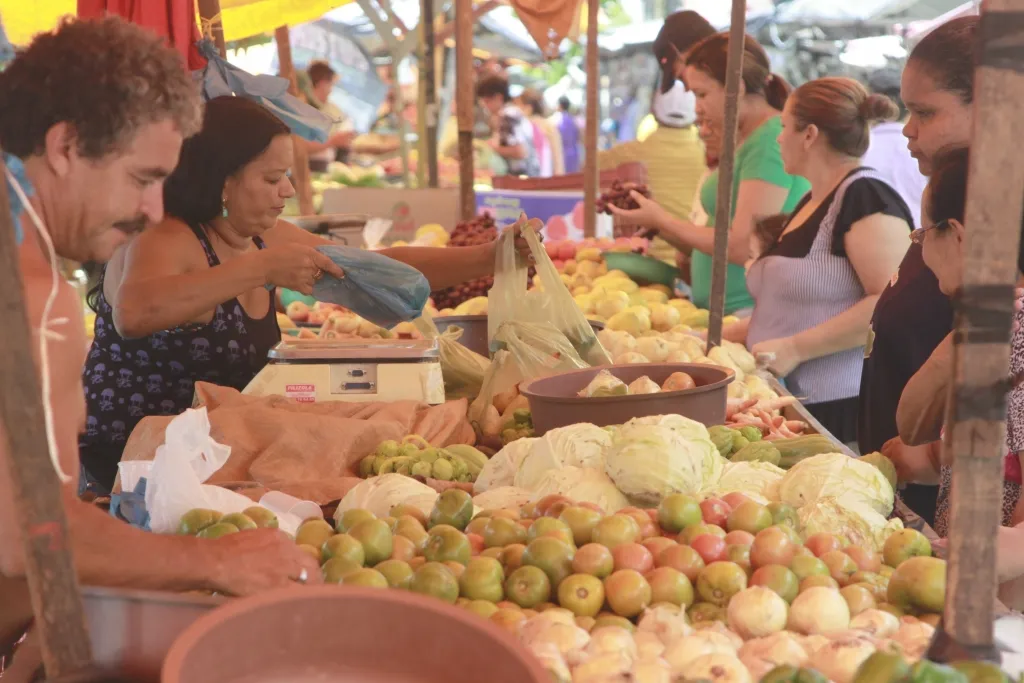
(241, 18)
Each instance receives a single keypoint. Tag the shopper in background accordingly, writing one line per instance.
(321, 81)
(913, 315)
(888, 153)
(762, 186)
(815, 288)
(673, 154)
(922, 408)
(569, 131)
(547, 140)
(512, 132)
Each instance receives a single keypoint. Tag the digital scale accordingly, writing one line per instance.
(315, 371)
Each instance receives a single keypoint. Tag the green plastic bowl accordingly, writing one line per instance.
(642, 269)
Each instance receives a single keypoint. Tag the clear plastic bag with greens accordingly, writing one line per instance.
(510, 300)
(463, 370)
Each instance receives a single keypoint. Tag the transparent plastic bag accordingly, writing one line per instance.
(501, 376)
(539, 349)
(463, 370)
(380, 289)
(510, 299)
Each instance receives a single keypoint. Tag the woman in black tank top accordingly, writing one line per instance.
(193, 298)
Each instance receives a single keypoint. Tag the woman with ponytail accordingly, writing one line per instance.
(815, 285)
(762, 187)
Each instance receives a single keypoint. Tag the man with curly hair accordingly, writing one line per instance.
(93, 121)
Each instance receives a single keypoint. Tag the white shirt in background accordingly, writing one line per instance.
(888, 154)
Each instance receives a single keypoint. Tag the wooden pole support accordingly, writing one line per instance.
(38, 496)
(976, 430)
(726, 163)
(209, 11)
(590, 167)
(300, 166)
(429, 76)
(465, 104)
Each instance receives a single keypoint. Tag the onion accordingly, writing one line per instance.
(913, 637)
(654, 670)
(568, 640)
(720, 628)
(648, 645)
(876, 622)
(756, 612)
(600, 668)
(840, 659)
(683, 652)
(776, 649)
(611, 639)
(553, 662)
(669, 626)
(718, 668)
(819, 610)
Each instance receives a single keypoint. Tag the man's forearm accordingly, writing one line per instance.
(156, 561)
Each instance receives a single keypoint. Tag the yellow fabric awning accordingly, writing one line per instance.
(242, 18)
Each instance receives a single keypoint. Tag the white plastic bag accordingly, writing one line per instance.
(174, 479)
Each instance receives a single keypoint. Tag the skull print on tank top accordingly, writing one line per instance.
(128, 379)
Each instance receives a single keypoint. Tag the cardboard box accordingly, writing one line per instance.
(407, 209)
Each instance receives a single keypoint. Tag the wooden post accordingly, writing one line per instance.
(429, 77)
(465, 104)
(591, 172)
(300, 167)
(209, 12)
(726, 162)
(975, 438)
(38, 495)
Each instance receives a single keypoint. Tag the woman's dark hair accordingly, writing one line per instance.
(947, 192)
(711, 56)
(236, 130)
(843, 110)
(948, 55)
(493, 85)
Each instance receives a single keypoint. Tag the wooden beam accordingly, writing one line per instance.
(975, 439)
(213, 27)
(590, 167)
(448, 30)
(300, 168)
(429, 78)
(726, 163)
(465, 104)
(38, 495)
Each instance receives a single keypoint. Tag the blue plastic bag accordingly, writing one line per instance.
(380, 289)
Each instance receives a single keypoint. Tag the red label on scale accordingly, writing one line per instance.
(303, 393)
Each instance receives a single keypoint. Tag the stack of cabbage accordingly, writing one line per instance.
(646, 459)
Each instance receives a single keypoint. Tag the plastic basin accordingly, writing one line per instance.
(331, 634)
(554, 402)
(474, 331)
(642, 269)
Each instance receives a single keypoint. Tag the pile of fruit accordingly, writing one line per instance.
(680, 590)
(620, 196)
(480, 230)
(415, 457)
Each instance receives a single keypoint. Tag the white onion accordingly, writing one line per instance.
(681, 653)
(654, 670)
(648, 645)
(603, 667)
(669, 626)
(718, 668)
(840, 659)
(776, 649)
(876, 622)
(552, 661)
(756, 612)
(611, 639)
(819, 610)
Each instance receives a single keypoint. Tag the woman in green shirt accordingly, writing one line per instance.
(761, 187)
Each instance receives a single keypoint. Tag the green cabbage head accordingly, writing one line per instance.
(835, 475)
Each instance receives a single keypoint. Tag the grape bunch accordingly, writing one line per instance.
(618, 195)
(480, 230)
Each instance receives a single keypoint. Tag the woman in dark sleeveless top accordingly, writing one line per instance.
(192, 299)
